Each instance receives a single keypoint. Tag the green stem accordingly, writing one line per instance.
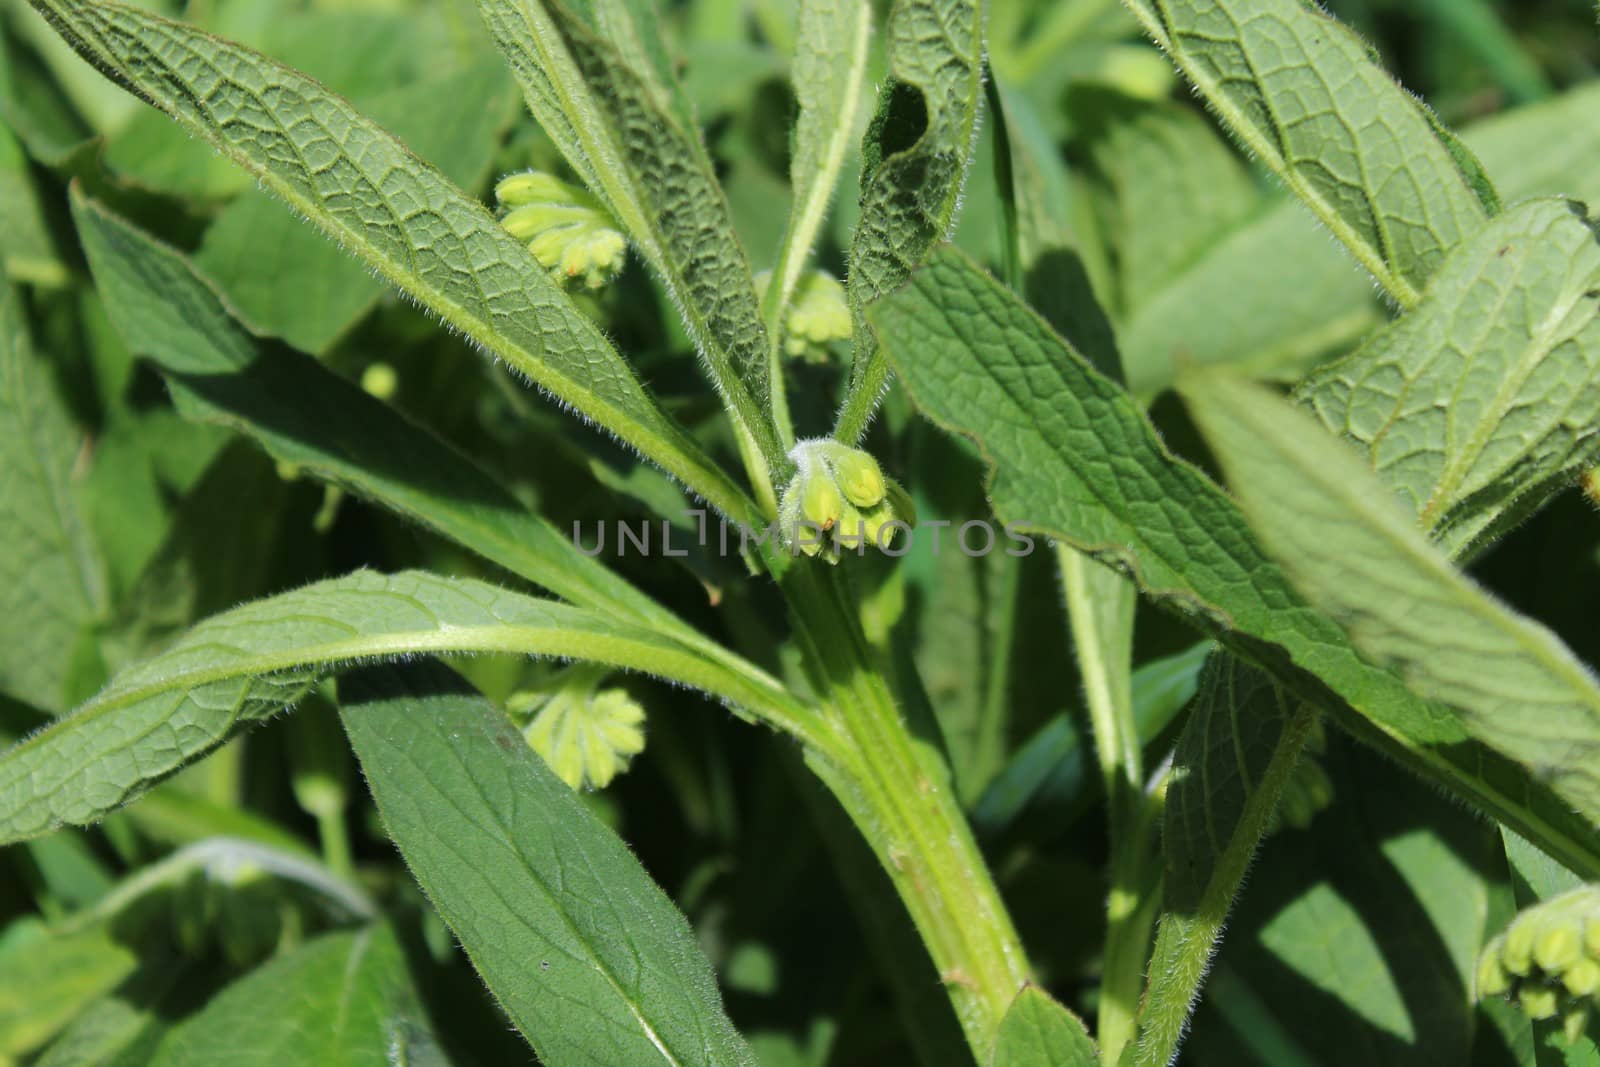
(335, 844)
(1131, 911)
(1101, 604)
(1188, 937)
(897, 791)
(988, 750)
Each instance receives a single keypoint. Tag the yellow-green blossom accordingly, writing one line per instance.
(568, 231)
(586, 734)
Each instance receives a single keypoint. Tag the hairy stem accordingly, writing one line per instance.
(896, 789)
(1100, 605)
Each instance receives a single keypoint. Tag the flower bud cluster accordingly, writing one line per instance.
(840, 500)
(568, 231)
(586, 734)
(817, 316)
(1548, 960)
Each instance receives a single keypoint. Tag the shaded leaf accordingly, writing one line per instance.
(588, 957)
(51, 580)
(1039, 1032)
(46, 978)
(398, 216)
(342, 998)
(1242, 739)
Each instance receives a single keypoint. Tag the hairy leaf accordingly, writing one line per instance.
(304, 414)
(393, 212)
(340, 999)
(1039, 1032)
(1302, 94)
(915, 162)
(289, 281)
(598, 80)
(1354, 552)
(1483, 400)
(51, 581)
(585, 953)
(829, 75)
(1075, 458)
(252, 662)
(1272, 297)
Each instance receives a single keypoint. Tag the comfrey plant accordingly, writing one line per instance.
(619, 199)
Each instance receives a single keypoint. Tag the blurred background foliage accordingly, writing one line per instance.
(1357, 931)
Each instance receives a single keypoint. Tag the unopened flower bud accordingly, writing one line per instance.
(818, 314)
(568, 231)
(840, 493)
(1557, 949)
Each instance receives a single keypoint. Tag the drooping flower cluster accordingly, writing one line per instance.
(817, 316)
(1548, 960)
(840, 500)
(586, 734)
(568, 231)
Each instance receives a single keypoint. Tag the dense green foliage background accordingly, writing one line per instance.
(1357, 932)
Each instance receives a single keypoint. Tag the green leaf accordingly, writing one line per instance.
(304, 414)
(1075, 458)
(1272, 297)
(125, 1027)
(588, 957)
(27, 252)
(1172, 187)
(1359, 938)
(393, 212)
(250, 663)
(1357, 555)
(1268, 299)
(596, 75)
(1302, 94)
(1241, 741)
(1476, 419)
(1039, 1032)
(343, 998)
(829, 74)
(46, 978)
(1547, 149)
(51, 583)
(287, 280)
(915, 156)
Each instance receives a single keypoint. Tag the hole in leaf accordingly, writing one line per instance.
(901, 121)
